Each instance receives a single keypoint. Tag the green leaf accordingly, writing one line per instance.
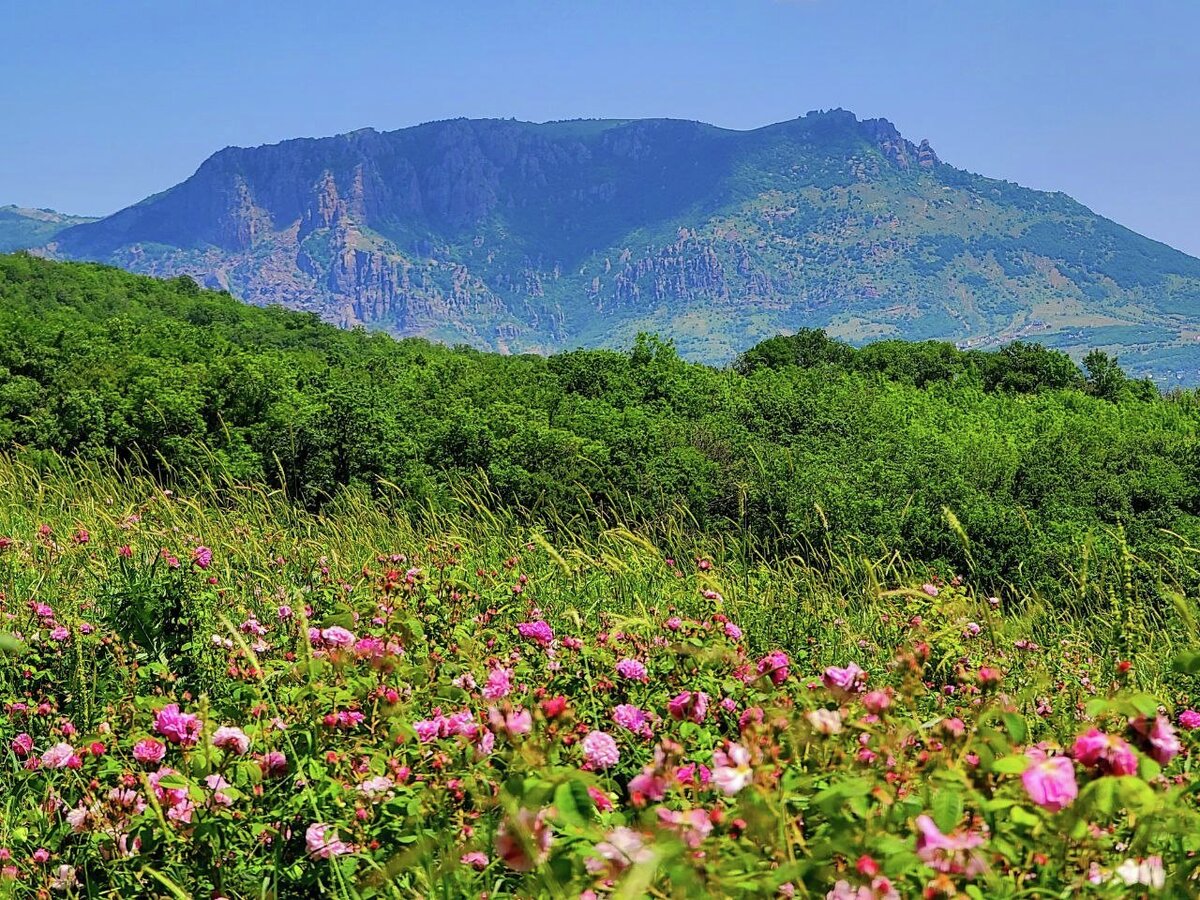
(1019, 815)
(1014, 764)
(1016, 727)
(573, 803)
(1187, 662)
(947, 809)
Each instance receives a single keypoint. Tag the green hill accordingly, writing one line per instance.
(21, 228)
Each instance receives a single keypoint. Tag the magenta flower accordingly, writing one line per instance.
(632, 669)
(537, 631)
(1158, 737)
(775, 666)
(1109, 753)
(202, 557)
(475, 859)
(22, 745)
(176, 727)
(633, 719)
(600, 750)
(1050, 780)
(513, 722)
(689, 705)
(148, 751)
(844, 681)
(1189, 719)
(499, 684)
(273, 764)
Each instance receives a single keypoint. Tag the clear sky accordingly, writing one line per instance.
(104, 103)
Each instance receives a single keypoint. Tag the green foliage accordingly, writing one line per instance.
(806, 444)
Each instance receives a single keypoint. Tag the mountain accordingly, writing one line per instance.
(533, 237)
(21, 228)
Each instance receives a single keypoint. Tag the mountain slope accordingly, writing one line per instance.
(21, 229)
(514, 236)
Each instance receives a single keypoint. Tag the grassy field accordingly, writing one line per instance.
(210, 693)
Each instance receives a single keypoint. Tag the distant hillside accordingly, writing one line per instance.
(514, 236)
(21, 228)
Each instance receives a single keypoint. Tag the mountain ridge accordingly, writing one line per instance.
(520, 236)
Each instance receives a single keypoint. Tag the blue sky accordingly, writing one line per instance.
(104, 103)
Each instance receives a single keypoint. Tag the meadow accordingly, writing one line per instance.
(210, 691)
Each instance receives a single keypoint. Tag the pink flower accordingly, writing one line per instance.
(1189, 719)
(733, 632)
(337, 636)
(273, 763)
(59, 633)
(621, 848)
(693, 826)
(22, 745)
(775, 666)
(845, 681)
(953, 854)
(689, 705)
(1158, 737)
(323, 842)
(60, 756)
(631, 718)
(1109, 753)
(499, 684)
(537, 631)
(731, 769)
(202, 557)
(514, 722)
(176, 727)
(825, 721)
(600, 750)
(1050, 780)
(877, 701)
(149, 751)
(674, 623)
(930, 589)
(632, 669)
(523, 841)
(476, 860)
(230, 739)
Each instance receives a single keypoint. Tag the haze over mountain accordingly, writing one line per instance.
(535, 237)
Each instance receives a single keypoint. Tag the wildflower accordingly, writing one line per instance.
(844, 681)
(64, 878)
(733, 632)
(633, 719)
(553, 707)
(674, 623)
(231, 740)
(689, 705)
(513, 722)
(523, 840)
(22, 745)
(1148, 872)
(825, 721)
(176, 727)
(693, 826)
(731, 769)
(600, 750)
(953, 854)
(1049, 780)
(377, 787)
(877, 701)
(273, 763)
(148, 751)
(1189, 719)
(499, 684)
(633, 670)
(475, 859)
(775, 666)
(537, 631)
(621, 848)
(1158, 737)
(202, 557)
(61, 756)
(59, 633)
(880, 888)
(1109, 753)
(323, 843)
(930, 589)
(338, 637)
